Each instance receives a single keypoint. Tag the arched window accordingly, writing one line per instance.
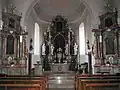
(37, 39)
(82, 39)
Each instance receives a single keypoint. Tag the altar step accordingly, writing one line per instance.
(61, 82)
(60, 89)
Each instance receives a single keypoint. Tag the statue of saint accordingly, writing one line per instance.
(75, 49)
(59, 55)
(43, 49)
(52, 49)
(94, 49)
(66, 49)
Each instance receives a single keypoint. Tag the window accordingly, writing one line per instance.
(82, 39)
(36, 40)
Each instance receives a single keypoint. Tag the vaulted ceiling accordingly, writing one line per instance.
(70, 9)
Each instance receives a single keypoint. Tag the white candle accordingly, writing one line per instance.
(21, 38)
(100, 38)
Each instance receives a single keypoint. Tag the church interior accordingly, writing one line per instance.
(59, 45)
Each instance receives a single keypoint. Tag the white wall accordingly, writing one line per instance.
(30, 28)
(3, 4)
(95, 7)
(30, 22)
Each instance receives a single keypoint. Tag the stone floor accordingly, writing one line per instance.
(61, 81)
(61, 89)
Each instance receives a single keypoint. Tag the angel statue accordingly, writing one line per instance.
(52, 49)
(75, 49)
(43, 49)
(66, 49)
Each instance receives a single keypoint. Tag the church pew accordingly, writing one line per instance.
(40, 82)
(17, 83)
(82, 80)
(101, 86)
(21, 87)
(83, 83)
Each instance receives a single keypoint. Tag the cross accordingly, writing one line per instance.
(108, 5)
(11, 8)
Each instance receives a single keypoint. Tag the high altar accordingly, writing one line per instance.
(59, 49)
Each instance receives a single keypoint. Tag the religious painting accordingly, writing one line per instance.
(11, 23)
(109, 43)
(59, 26)
(10, 45)
(59, 42)
(108, 22)
(109, 46)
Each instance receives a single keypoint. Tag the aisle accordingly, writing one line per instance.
(61, 81)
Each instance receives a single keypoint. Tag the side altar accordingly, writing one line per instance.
(59, 49)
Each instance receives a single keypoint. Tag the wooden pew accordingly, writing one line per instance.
(21, 86)
(83, 82)
(23, 83)
(100, 86)
(27, 83)
(107, 82)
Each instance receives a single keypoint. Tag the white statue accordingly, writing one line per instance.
(1, 24)
(75, 49)
(66, 49)
(52, 49)
(43, 49)
(94, 49)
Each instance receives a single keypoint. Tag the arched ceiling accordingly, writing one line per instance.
(70, 9)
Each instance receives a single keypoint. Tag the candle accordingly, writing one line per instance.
(100, 38)
(21, 39)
